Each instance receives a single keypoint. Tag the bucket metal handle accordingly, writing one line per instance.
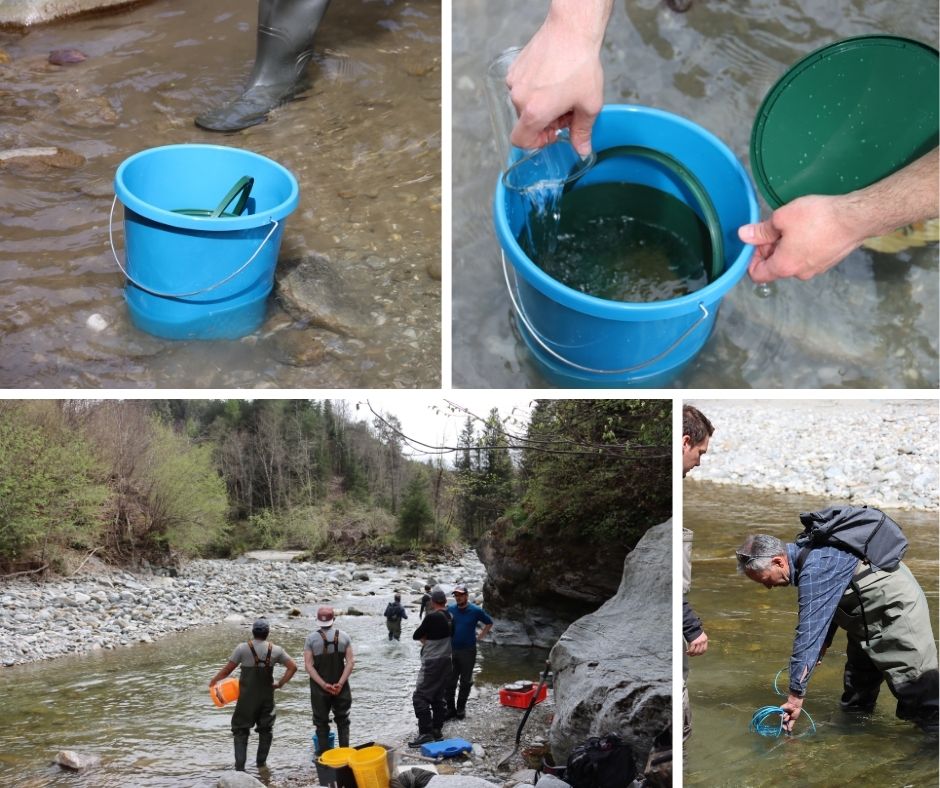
(150, 290)
(535, 335)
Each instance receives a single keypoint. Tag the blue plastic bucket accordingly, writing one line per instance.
(584, 341)
(196, 277)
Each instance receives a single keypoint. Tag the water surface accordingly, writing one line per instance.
(364, 144)
(145, 710)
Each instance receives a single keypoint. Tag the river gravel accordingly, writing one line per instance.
(863, 452)
(106, 609)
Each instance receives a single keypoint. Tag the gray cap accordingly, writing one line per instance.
(438, 595)
(260, 628)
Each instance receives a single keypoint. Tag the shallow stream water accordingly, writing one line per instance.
(145, 710)
(869, 322)
(750, 632)
(364, 144)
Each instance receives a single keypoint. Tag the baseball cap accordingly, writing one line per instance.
(325, 616)
(260, 628)
(460, 588)
(438, 595)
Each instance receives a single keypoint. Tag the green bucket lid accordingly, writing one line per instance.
(845, 116)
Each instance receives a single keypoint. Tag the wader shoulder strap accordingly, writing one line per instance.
(326, 643)
(267, 659)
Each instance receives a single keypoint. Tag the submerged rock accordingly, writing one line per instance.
(613, 668)
(66, 57)
(313, 289)
(76, 761)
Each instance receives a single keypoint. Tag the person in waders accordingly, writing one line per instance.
(328, 659)
(428, 699)
(284, 47)
(394, 613)
(883, 612)
(255, 706)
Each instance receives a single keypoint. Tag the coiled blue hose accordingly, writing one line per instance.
(761, 720)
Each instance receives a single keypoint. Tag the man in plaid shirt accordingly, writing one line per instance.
(884, 614)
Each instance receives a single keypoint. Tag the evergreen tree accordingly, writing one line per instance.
(415, 512)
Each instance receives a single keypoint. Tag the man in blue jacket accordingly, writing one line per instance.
(464, 649)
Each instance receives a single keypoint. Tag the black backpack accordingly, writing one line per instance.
(600, 762)
(391, 612)
(868, 533)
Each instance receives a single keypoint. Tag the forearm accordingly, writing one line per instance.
(225, 671)
(288, 674)
(909, 195)
(585, 18)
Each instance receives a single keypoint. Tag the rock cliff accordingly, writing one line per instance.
(613, 667)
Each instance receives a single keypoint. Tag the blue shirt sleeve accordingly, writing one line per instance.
(826, 574)
(483, 616)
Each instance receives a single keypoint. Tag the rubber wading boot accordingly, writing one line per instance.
(342, 735)
(285, 45)
(264, 747)
(241, 750)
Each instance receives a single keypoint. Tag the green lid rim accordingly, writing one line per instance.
(760, 119)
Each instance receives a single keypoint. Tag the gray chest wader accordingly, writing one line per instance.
(330, 665)
(890, 638)
(255, 706)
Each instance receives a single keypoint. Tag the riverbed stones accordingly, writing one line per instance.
(880, 454)
(108, 609)
(613, 667)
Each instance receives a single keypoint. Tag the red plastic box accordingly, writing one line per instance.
(521, 700)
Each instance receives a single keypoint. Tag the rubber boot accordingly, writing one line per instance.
(323, 739)
(241, 750)
(285, 45)
(264, 747)
(342, 735)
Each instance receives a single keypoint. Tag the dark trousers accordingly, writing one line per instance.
(322, 703)
(462, 662)
(428, 697)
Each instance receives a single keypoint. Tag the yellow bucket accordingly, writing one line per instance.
(224, 691)
(370, 767)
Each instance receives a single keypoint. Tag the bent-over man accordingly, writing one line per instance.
(883, 612)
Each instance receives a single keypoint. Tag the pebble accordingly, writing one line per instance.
(96, 322)
(113, 608)
(882, 454)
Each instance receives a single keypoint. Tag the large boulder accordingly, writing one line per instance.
(613, 667)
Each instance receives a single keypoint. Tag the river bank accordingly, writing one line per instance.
(882, 453)
(104, 609)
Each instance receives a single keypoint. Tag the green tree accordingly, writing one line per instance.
(186, 497)
(50, 487)
(415, 511)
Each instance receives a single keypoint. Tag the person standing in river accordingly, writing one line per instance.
(255, 706)
(394, 613)
(466, 617)
(434, 632)
(285, 33)
(425, 601)
(328, 660)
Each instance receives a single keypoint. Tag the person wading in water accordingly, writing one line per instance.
(256, 685)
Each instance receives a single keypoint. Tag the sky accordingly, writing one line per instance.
(421, 420)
